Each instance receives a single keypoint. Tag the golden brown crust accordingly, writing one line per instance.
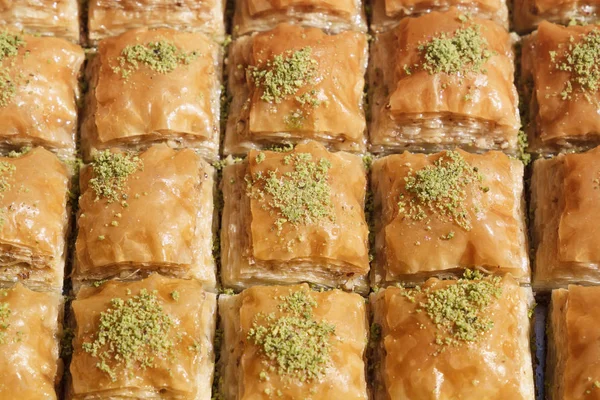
(339, 120)
(180, 108)
(528, 14)
(413, 250)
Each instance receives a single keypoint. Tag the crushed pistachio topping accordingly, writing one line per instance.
(6, 172)
(441, 189)
(111, 171)
(161, 56)
(175, 295)
(298, 345)
(9, 48)
(4, 324)
(301, 196)
(132, 334)
(582, 61)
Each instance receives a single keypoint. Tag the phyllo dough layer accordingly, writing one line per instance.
(438, 214)
(146, 213)
(288, 342)
(34, 218)
(44, 17)
(440, 81)
(29, 337)
(565, 193)
(528, 14)
(333, 16)
(150, 86)
(294, 83)
(108, 18)
(572, 367)
(295, 216)
(38, 100)
(446, 340)
(560, 68)
(150, 339)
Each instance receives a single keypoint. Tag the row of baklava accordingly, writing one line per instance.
(153, 339)
(439, 81)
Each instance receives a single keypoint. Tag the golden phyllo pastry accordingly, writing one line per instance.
(528, 14)
(151, 339)
(146, 213)
(294, 83)
(438, 214)
(572, 368)
(34, 188)
(108, 18)
(443, 80)
(561, 77)
(287, 342)
(565, 202)
(447, 340)
(295, 216)
(44, 17)
(150, 86)
(333, 16)
(29, 339)
(39, 92)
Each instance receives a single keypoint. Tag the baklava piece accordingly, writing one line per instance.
(294, 83)
(39, 91)
(565, 198)
(144, 214)
(291, 343)
(436, 215)
(295, 216)
(107, 18)
(388, 13)
(466, 339)
(149, 86)
(34, 219)
(561, 79)
(440, 81)
(150, 339)
(44, 17)
(528, 14)
(333, 16)
(572, 367)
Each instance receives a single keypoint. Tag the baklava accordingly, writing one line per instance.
(30, 328)
(465, 339)
(289, 342)
(149, 86)
(565, 193)
(108, 18)
(560, 69)
(295, 216)
(528, 14)
(34, 219)
(437, 214)
(39, 92)
(151, 212)
(294, 83)
(440, 81)
(150, 339)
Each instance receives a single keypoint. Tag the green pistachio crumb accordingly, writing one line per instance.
(175, 295)
(101, 237)
(99, 283)
(9, 48)
(111, 171)
(4, 321)
(260, 157)
(295, 119)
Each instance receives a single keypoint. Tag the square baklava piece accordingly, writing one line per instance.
(565, 193)
(438, 214)
(294, 83)
(151, 212)
(440, 81)
(295, 216)
(453, 339)
(560, 75)
(39, 92)
(34, 219)
(149, 86)
(388, 13)
(30, 331)
(572, 367)
(108, 18)
(44, 17)
(333, 16)
(149, 339)
(292, 343)
(528, 14)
